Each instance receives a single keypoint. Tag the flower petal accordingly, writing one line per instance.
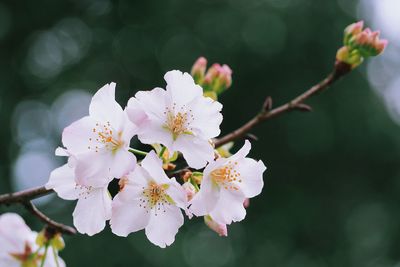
(153, 103)
(177, 193)
(122, 163)
(181, 87)
(205, 200)
(13, 233)
(251, 172)
(92, 212)
(197, 152)
(76, 136)
(207, 117)
(92, 169)
(104, 107)
(163, 227)
(128, 216)
(153, 165)
(62, 180)
(229, 207)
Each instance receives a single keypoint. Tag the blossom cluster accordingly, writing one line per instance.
(360, 43)
(20, 246)
(178, 123)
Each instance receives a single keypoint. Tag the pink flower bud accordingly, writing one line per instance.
(353, 29)
(219, 228)
(380, 45)
(246, 203)
(199, 69)
(226, 75)
(368, 43)
(189, 189)
(218, 78)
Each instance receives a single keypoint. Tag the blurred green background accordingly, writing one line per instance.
(333, 181)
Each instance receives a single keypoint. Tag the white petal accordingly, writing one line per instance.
(207, 117)
(128, 216)
(50, 260)
(162, 228)
(153, 103)
(92, 169)
(243, 152)
(182, 87)
(177, 193)
(13, 233)
(153, 165)
(76, 136)
(206, 199)
(155, 132)
(229, 208)
(92, 212)
(8, 261)
(62, 152)
(251, 172)
(197, 152)
(122, 163)
(136, 113)
(62, 180)
(104, 107)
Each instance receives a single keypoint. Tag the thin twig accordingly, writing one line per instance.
(295, 104)
(25, 195)
(57, 227)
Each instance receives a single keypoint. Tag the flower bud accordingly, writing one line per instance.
(246, 203)
(368, 43)
(218, 78)
(189, 189)
(219, 228)
(351, 30)
(353, 58)
(199, 69)
(57, 242)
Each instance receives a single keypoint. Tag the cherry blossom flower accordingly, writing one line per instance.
(18, 246)
(226, 183)
(180, 118)
(93, 208)
(100, 142)
(149, 200)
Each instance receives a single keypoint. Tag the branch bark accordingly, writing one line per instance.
(295, 104)
(24, 197)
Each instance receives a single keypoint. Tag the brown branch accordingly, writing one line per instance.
(25, 195)
(295, 104)
(52, 226)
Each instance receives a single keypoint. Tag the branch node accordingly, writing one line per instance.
(303, 107)
(267, 106)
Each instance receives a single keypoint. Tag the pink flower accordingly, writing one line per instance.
(226, 183)
(180, 118)
(100, 142)
(149, 200)
(93, 208)
(18, 246)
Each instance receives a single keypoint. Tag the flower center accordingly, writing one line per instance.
(84, 191)
(178, 122)
(154, 196)
(227, 177)
(27, 258)
(105, 136)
